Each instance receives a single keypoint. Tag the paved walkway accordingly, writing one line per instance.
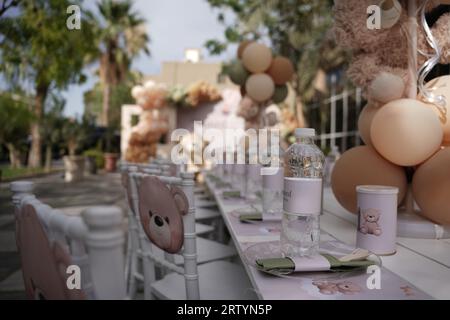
(103, 189)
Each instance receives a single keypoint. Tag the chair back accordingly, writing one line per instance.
(165, 207)
(68, 257)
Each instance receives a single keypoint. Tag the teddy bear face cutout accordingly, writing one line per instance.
(43, 265)
(161, 209)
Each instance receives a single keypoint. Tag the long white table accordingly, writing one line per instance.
(419, 270)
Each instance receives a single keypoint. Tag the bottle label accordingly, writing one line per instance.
(302, 196)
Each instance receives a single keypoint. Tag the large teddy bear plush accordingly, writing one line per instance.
(380, 56)
(404, 132)
(144, 138)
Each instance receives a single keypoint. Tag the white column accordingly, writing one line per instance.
(105, 241)
(20, 189)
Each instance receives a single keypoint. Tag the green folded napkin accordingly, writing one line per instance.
(231, 194)
(246, 217)
(286, 264)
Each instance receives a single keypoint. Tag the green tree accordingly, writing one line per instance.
(38, 50)
(15, 120)
(297, 29)
(121, 36)
(75, 133)
(52, 125)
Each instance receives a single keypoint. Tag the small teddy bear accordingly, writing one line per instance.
(161, 209)
(380, 56)
(251, 113)
(370, 224)
(330, 288)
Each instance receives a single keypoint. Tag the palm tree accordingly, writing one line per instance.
(121, 37)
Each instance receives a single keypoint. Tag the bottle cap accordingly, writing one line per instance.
(305, 132)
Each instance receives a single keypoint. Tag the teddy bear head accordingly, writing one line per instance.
(248, 109)
(371, 215)
(161, 209)
(347, 287)
(325, 287)
(44, 264)
(351, 24)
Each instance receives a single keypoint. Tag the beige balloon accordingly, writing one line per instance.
(365, 122)
(364, 166)
(386, 87)
(431, 187)
(256, 57)
(242, 47)
(260, 87)
(406, 132)
(441, 86)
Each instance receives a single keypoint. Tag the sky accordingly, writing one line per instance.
(173, 26)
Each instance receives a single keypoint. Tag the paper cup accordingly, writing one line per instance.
(377, 219)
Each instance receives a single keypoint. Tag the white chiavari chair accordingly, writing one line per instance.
(53, 247)
(137, 240)
(167, 216)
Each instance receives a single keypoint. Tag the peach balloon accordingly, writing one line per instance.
(242, 47)
(365, 122)
(281, 70)
(431, 187)
(260, 87)
(441, 87)
(257, 57)
(386, 87)
(364, 166)
(406, 132)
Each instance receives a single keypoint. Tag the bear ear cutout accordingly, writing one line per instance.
(180, 199)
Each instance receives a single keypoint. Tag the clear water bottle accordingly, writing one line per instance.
(302, 196)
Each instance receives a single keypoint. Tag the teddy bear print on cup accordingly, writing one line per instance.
(161, 209)
(370, 224)
(330, 288)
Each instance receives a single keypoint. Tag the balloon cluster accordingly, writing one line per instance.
(262, 77)
(406, 137)
(151, 95)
